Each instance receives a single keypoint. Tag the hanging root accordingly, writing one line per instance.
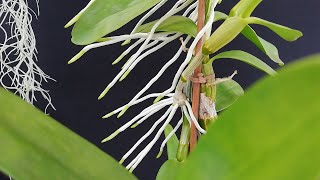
(18, 54)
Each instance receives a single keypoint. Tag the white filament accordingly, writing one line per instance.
(154, 126)
(157, 136)
(18, 54)
(171, 134)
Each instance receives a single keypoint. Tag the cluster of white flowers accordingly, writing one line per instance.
(18, 54)
(174, 96)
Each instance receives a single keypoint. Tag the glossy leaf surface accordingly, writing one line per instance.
(34, 146)
(228, 92)
(169, 170)
(270, 133)
(265, 46)
(172, 144)
(106, 16)
(246, 58)
(286, 33)
(178, 24)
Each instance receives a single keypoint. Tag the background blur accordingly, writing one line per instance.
(78, 85)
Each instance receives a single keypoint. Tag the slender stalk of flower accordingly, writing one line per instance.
(18, 52)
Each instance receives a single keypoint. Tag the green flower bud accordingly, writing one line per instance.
(229, 30)
(244, 8)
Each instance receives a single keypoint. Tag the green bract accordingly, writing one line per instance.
(106, 16)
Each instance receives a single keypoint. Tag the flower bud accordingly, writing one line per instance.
(229, 30)
(244, 8)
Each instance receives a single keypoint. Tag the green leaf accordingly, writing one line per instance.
(169, 169)
(228, 92)
(105, 16)
(270, 133)
(172, 144)
(286, 33)
(179, 24)
(266, 47)
(34, 146)
(246, 58)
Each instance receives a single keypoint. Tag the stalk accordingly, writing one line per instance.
(183, 147)
(196, 86)
(208, 113)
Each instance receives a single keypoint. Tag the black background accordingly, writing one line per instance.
(78, 85)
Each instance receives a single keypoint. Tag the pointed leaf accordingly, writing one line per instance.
(286, 33)
(228, 92)
(266, 47)
(246, 58)
(172, 144)
(270, 133)
(179, 24)
(34, 146)
(105, 16)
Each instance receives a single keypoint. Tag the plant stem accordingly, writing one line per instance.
(196, 86)
(207, 113)
(183, 147)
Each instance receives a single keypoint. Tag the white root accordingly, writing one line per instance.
(18, 54)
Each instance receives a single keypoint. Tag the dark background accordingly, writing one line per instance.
(78, 85)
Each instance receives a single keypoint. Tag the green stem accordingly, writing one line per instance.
(183, 148)
(208, 96)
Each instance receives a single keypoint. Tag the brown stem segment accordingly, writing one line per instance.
(197, 86)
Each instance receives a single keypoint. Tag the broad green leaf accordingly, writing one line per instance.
(105, 16)
(172, 144)
(228, 92)
(179, 24)
(34, 146)
(286, 33)
(266, 47)
(169, 170)
(270, 133)
(246, 58)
